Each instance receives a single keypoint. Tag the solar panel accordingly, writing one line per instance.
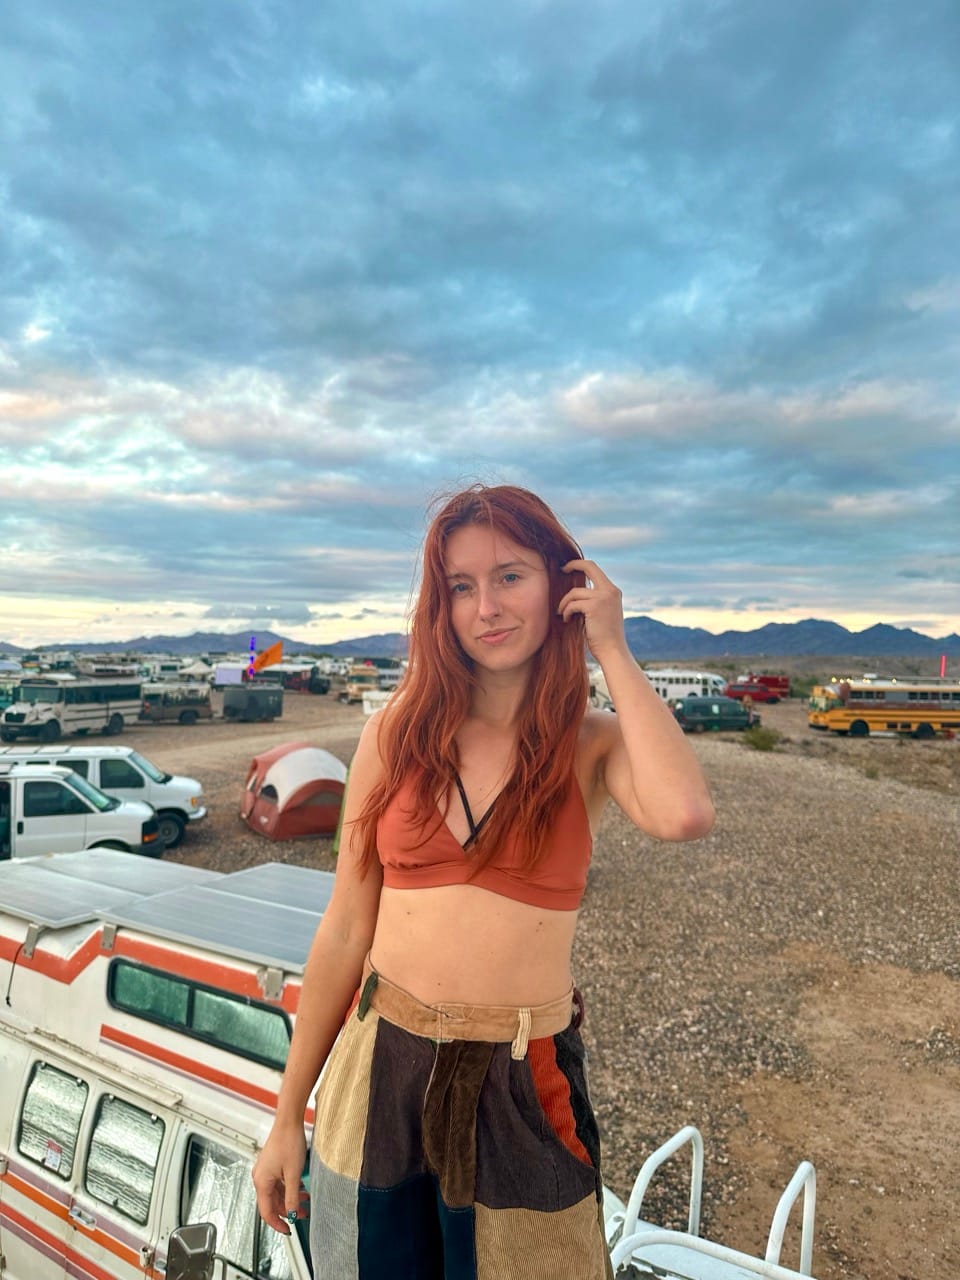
(266, 933)
(283, 883)
(39, 895)
(130, 871)
(266, 914)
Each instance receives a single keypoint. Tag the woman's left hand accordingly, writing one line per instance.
(601, 605)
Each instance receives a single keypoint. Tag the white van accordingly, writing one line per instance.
(127, 775)
(51, 705)
(141, 1048)
(48, 809)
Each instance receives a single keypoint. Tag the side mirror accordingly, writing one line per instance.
(190, 1252)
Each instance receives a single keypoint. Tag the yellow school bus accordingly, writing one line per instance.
(922, 708)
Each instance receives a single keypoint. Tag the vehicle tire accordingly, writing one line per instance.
(188, 717)
(859, 729)
(698, 728)
(343, 698)
(114, 724)
(924, 731)
(172, 827)
(51, 731)
(230, 713)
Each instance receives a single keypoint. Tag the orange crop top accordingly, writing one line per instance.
(413, 859)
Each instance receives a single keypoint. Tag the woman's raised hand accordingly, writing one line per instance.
(601, 603)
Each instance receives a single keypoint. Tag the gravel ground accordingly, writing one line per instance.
(790, 984)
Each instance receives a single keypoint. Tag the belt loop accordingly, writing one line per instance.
(366, 995)
(519, 1047)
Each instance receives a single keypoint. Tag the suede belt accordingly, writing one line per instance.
(447, 1021)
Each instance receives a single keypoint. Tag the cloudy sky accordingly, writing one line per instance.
(276, 274)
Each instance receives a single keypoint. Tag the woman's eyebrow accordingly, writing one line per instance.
(497, 568)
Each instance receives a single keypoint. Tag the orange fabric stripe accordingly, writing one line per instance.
(553, 1092)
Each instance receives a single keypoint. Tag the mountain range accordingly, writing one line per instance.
(648, 640)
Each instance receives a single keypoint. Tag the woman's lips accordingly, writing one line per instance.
(496, 637)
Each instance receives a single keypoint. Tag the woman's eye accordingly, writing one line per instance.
(459, 588)
(511, 577)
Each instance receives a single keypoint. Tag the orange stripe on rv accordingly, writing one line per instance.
(41, 1198)
(192, 1067)
(216, 974)
(58, 1245)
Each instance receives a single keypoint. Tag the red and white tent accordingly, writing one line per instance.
(293, 790)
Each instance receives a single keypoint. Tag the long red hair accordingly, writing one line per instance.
(418, 728)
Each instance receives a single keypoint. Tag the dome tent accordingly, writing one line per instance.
(293, 790)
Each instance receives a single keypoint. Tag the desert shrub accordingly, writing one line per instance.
(802, 686)
(760, 738)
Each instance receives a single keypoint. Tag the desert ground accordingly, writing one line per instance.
(790, 984)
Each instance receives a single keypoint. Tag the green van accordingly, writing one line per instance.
(696, 714)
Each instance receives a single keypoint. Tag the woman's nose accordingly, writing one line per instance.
(488, 605)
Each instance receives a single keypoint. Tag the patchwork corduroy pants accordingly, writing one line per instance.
(455, 1142)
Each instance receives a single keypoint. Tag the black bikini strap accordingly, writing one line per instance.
(475, 827)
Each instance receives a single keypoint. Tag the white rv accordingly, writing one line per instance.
(149, 1013)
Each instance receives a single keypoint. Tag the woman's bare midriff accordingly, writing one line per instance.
(465, 945)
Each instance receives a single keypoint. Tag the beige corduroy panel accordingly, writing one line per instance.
(343, 1096)
(567, 1244)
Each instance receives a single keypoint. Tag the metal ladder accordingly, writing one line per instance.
(640, 1248)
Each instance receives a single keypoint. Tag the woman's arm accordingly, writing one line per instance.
(643, 760)
(330, 979)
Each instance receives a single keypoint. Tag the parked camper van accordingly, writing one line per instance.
(49, 706)
(48, 809)
(696, 714)
(143, 1040)
(125, 774)
(185, 703)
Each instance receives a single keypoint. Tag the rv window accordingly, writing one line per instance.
(50, 1120)
(120, 774)
(122, 1159)
(217, 1188)
(245, 1028)
(254, 1031)
(151, 995)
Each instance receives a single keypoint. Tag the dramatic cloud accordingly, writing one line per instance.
(276, 278)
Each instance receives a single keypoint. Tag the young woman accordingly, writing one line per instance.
(454, 1136)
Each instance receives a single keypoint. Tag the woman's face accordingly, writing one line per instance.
(499, 597)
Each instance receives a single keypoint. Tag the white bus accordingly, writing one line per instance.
(677, 682)
(49, 706)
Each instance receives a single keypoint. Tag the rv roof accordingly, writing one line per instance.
(266, 914)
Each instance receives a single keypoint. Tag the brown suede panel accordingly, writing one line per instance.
(450, 1117)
